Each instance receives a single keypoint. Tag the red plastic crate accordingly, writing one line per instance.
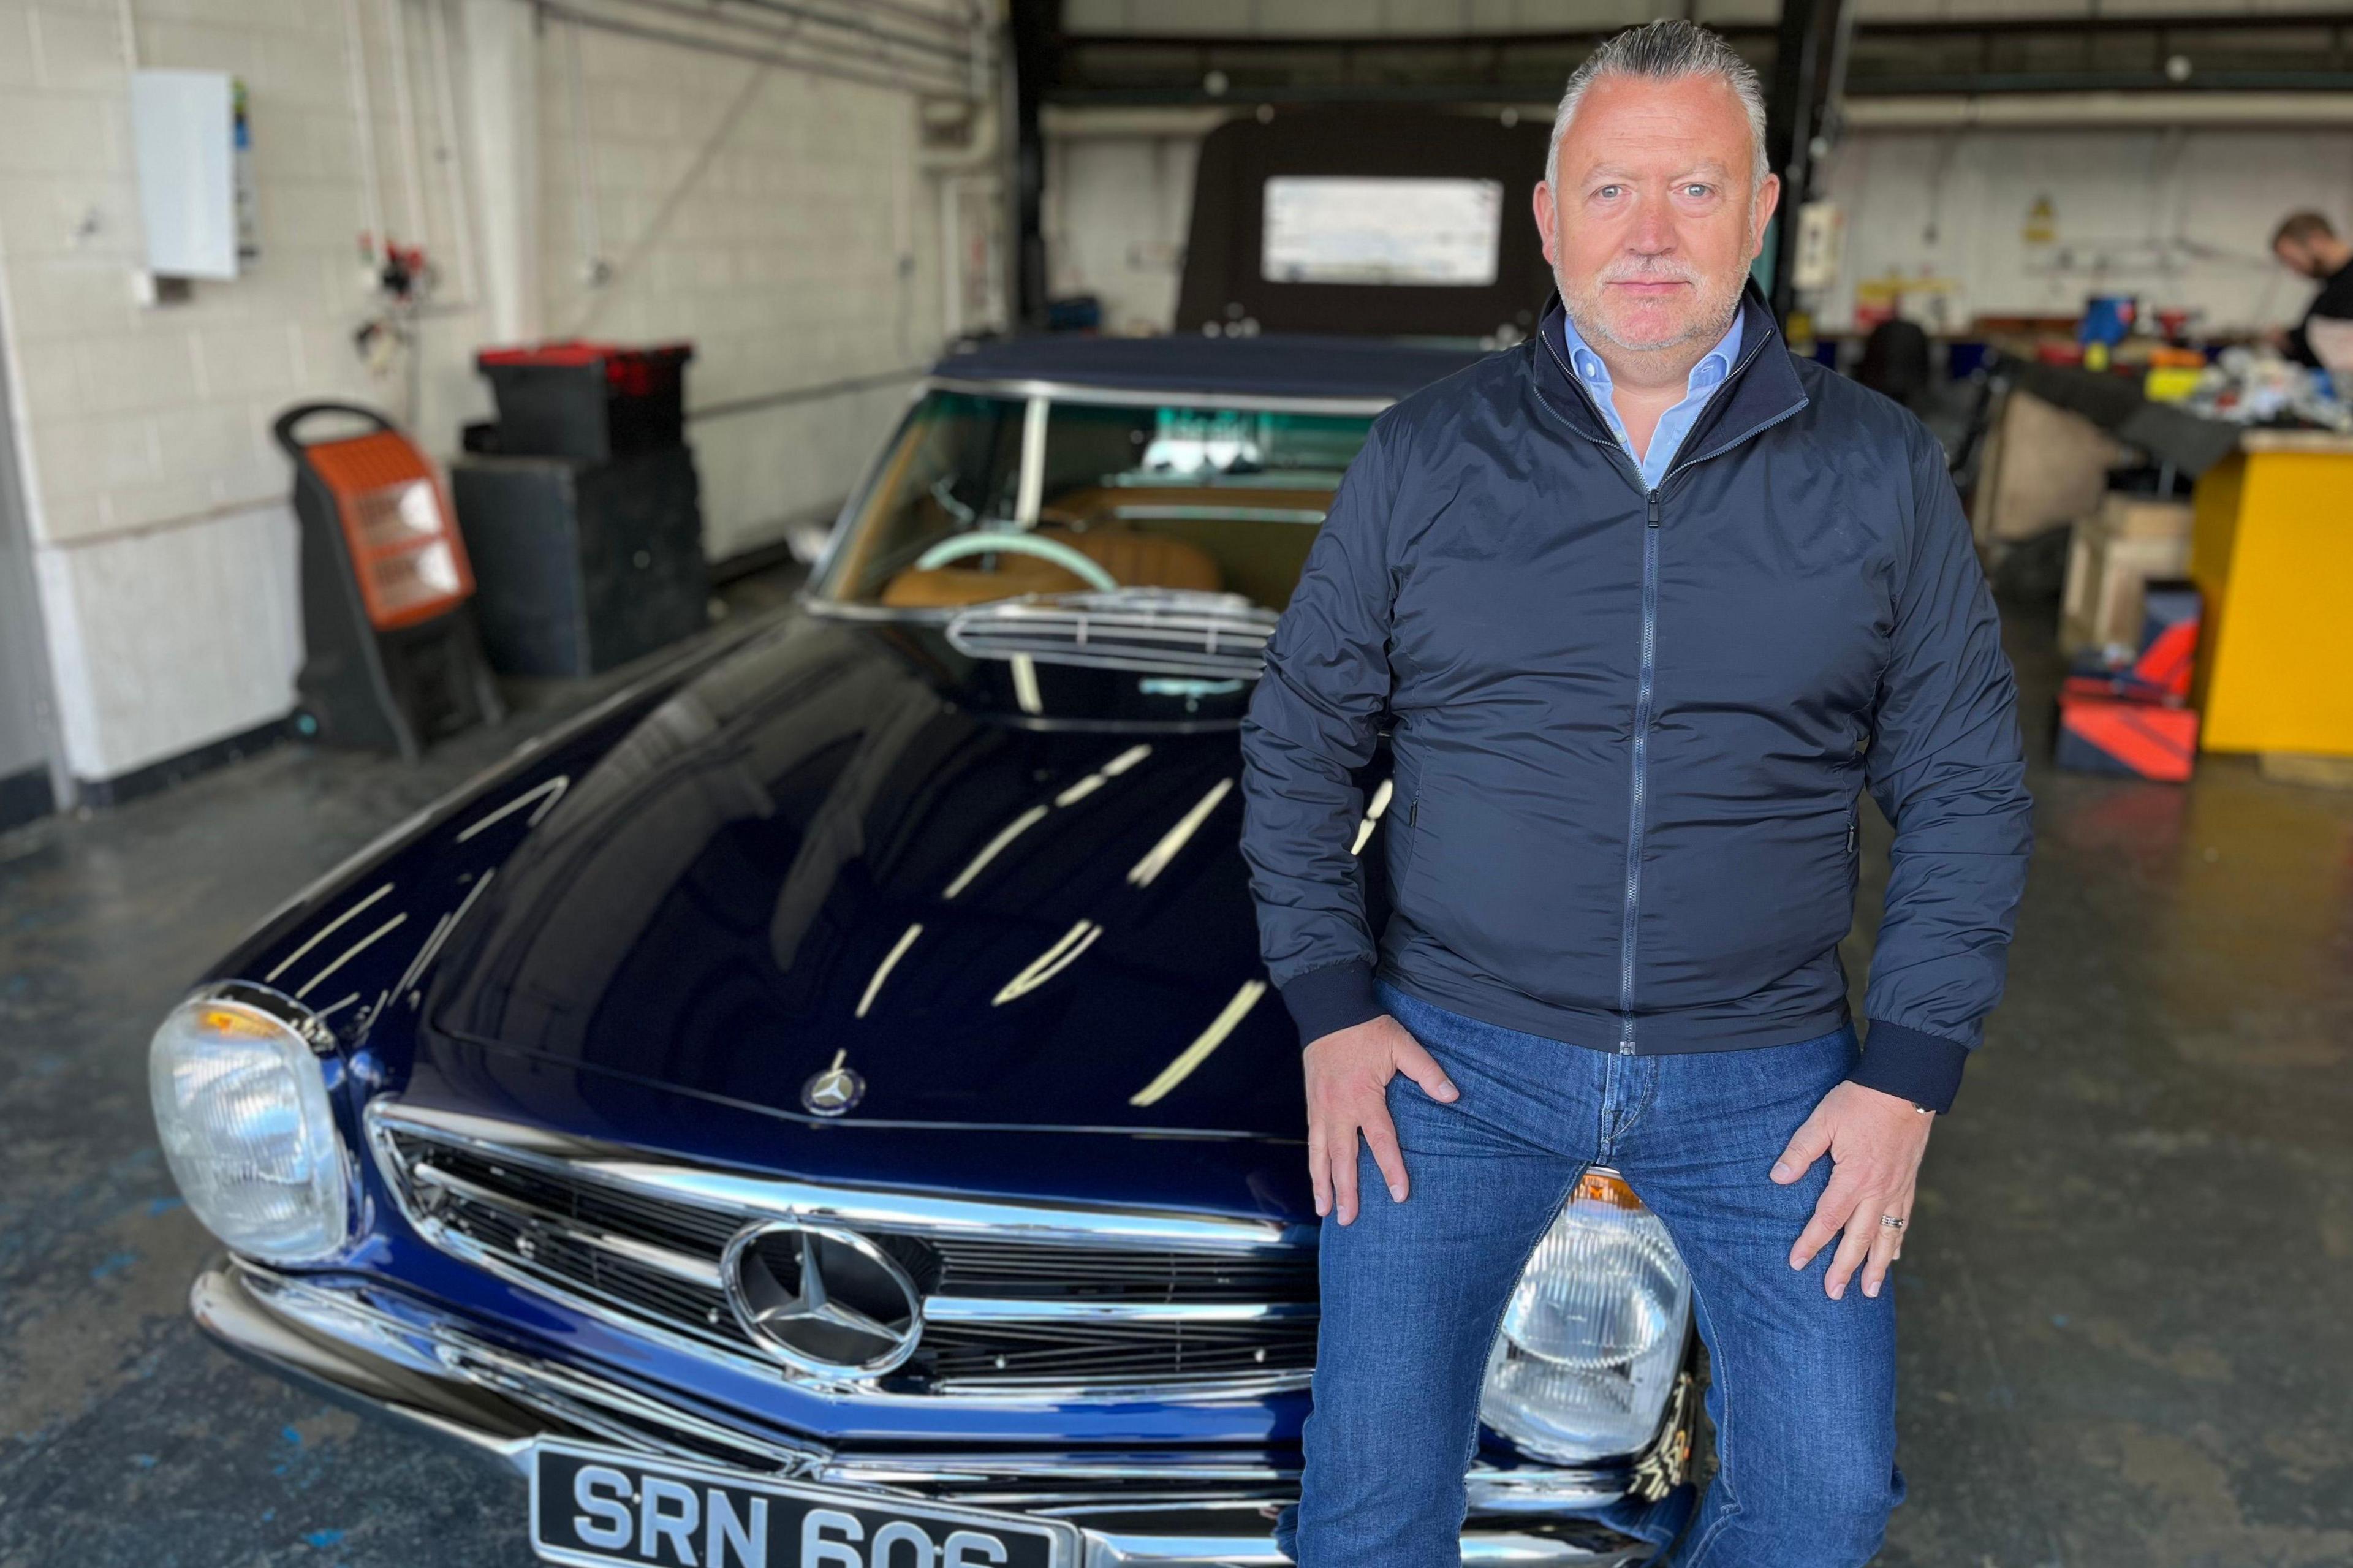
(589, 401)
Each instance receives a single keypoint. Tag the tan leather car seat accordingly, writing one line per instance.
(1145, 559)
(1135, 560)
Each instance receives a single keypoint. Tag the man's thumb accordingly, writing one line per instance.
(1808, 1145)
(1422, 1067)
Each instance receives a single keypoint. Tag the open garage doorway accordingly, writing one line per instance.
(27, 758)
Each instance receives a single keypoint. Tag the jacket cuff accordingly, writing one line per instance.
(1922, 1069)
(1337, 996)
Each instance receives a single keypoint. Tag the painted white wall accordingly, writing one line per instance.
(2180, 216)
(163, 547)
(778, 223)
(777, 220)
(1115, 216)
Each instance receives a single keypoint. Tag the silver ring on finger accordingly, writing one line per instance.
(1892, 1222)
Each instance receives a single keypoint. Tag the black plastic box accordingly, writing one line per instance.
(581, 566)
(593, 401)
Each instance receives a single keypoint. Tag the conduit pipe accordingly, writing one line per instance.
(2028, 110)
(363, 130)
(877, 74)
(404, 119)
(458, 193)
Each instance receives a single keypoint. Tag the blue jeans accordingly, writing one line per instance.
(1803, 1391)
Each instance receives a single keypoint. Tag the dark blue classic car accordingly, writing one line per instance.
(824, 1108)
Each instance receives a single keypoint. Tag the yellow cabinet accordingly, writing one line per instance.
(2271, 551)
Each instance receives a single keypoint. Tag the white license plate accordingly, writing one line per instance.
(596, 1506)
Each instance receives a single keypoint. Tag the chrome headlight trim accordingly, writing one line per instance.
(295, 1018)
(1558, 1364)
(285, 1074)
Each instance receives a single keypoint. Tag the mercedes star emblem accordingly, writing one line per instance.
(832, 1090)
(825, 1301)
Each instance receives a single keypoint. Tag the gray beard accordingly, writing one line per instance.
(1712, 323)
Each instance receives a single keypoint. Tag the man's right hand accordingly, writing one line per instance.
(1349, 1072)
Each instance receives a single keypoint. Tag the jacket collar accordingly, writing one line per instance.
(1763, 388)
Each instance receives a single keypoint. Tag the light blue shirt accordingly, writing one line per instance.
(1675, 423)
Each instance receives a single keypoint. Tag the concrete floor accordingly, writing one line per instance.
(2127, 1336)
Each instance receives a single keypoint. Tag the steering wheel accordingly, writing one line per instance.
(1084, 567)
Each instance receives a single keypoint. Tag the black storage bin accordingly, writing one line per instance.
(581, 566)
(593, 402)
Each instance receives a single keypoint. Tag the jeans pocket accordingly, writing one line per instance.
(1483, 1062)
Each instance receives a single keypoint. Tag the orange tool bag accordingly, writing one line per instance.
(392, 657)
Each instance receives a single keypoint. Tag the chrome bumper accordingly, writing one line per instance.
(383, 1352)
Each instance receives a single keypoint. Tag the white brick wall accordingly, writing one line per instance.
(164, 545)
(1955, 206)
(769, 217)
(803, 252)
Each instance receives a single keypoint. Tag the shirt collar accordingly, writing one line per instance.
(1713, 367)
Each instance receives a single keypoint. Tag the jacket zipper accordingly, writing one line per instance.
(1630, 931)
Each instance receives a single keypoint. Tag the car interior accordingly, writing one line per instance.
(1130, 497)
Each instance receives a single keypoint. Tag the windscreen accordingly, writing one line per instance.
(1354, 228)
(1148, 496)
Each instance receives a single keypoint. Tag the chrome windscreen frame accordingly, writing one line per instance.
(298, 1019)
(751, 1199)
(1022, 391)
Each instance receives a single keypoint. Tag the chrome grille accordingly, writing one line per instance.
(1030, 1272)
(1062, 1352)
(1175, 630)
(1008, 1313)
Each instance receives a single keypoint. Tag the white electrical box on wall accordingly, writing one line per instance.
(183, 133)
(1821, 241)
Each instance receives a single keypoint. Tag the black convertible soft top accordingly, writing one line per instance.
(1275, 364)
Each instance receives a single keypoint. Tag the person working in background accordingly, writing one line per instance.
(2306, 243)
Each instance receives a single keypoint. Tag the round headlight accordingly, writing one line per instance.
(241, 1104)
(1593, 1338)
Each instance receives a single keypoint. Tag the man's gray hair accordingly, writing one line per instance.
(1663, 50)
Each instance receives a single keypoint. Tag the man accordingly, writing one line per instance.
(2306, 243)
(1645, 602)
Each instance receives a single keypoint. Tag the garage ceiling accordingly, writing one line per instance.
(1140, 53)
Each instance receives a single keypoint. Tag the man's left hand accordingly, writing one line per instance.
(1876, 1141)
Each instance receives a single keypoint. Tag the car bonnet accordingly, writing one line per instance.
(822, 883)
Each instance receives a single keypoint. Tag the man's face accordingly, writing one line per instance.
(2302, 255)
(1652, 224)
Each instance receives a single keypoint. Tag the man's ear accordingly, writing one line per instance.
(1768, 199)
(1545, 229)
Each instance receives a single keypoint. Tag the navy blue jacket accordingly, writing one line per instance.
(1631, 728)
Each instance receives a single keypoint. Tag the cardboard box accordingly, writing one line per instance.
(2112, 555)
(2042, 467)
(2123, 516)
(2106, 590)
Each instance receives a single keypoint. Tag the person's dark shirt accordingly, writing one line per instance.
(2334, 301)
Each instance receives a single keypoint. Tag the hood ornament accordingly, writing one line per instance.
(833, 1091)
